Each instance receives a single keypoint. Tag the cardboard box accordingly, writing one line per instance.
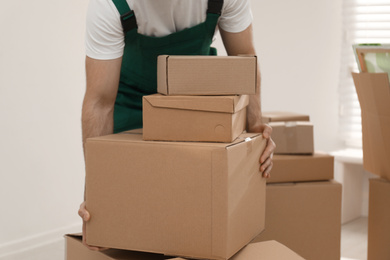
(75, 250)
(283, 116)
(194, 118)
(379, 220)
(295, 137)
(197, 200)
(298, 168)
(206, 75)
(373, 91)
(269, 250)
(306, 217)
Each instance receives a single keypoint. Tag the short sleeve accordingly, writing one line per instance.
(236, 16)
(104, 38)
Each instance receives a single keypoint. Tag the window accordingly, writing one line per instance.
(364, 21)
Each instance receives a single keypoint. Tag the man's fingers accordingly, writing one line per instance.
(266, 164)
(267, 172)
(269, 149)
(83, 213)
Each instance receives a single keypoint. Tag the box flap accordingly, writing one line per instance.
(373, 92)
(224, 104)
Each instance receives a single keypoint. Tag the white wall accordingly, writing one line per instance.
(41, 89)
(42, 85)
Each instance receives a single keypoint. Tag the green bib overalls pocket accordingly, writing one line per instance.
(139, 63)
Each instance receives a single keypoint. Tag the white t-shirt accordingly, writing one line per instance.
(104, 33)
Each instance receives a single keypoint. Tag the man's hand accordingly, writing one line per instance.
(266, 157)
(84, 214)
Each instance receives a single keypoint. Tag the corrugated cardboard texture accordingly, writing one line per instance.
(200, 200)
(206, 75)
(283, 116)
(298, 168)
(306, 217)
(374, 97)
(379, 220)
(293, 137)
(194, 118)
(75, 250)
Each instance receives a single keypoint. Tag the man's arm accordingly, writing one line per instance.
(242, 43)
(98, 108)
(100, 95)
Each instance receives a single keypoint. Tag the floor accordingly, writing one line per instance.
(353, 245)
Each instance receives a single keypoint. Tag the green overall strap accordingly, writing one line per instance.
(128, 19)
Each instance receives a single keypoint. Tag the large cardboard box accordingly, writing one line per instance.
(194, 118)
(206, 75)
(294, 137)
(373, 91)
(379, 220)
(283, 116)
(298, 168)
(197, 200)
(75, 250)
(306, 217)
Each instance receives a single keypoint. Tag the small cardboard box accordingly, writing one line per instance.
(197, 200)
(283, 116)
(379, 220)
(298, 168)
(306, 217)
(373, 91)
(294, 137)
(194, 118)
(75, 250)
(206, 75)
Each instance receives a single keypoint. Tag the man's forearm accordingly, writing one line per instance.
(254, 107)
(97, 119)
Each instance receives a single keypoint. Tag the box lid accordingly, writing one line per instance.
(133, 136)
(224, 104)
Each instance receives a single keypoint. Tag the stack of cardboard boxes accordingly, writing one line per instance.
(188, 185)
(373, 91)
(303, 206)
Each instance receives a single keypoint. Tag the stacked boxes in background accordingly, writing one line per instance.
(373, 90)
(303, 205)
(190, 199)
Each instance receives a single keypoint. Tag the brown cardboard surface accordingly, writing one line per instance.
(306, 217)
(294, 137)
(200, 200)
(298, 168)
(206, 75)
(282, 116)
(75, 250)
(194, 118)
(379, 220)
(373, 91)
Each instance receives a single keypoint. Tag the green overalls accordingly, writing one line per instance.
(139, 63)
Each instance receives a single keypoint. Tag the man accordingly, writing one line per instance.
(123, 41)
